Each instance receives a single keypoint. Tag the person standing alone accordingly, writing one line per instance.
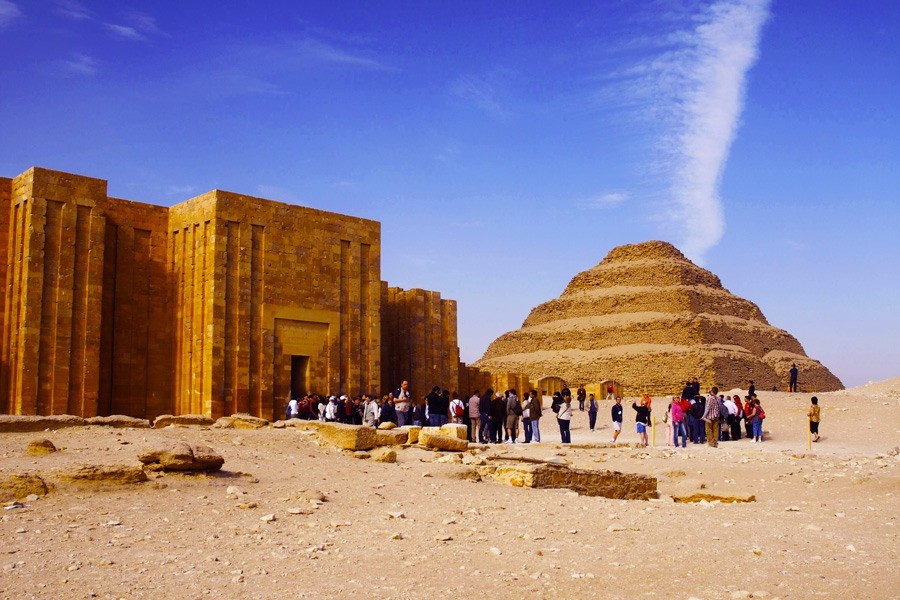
(592, 412)
(616, 417)
(814, 417)
(792, 386)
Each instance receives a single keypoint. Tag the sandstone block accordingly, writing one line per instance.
(102, 475)
(166, 420)
(700, 497)
(348, 437)
(181, 456)
(240, 421)
(24, 423)
(608, 484)
(21, 485)
(119, 421)
(441, 442)
(387, 425)
(41, 447)
(413, 433)
(391, 437)
(455, 430)
(385, 455)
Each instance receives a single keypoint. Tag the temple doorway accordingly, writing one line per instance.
(299, 374)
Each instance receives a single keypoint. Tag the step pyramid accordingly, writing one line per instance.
(650, 319)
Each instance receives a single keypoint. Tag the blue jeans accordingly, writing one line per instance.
(434, 420)
(757, 428)
(535, 430)
(564, 431)
(526, 427)
(592, 418)
(442, 419)
(678, 429)
(401, 418)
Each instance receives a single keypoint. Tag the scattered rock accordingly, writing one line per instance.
(361, 454)
(385, 455)
(181, 456)
(615, 527)
(792, 509)
(413, 433)
(267, 518)
(166, 420)
(41, 447)
(387, 425)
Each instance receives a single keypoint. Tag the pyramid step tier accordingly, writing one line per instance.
(661, 369)
(626, 299)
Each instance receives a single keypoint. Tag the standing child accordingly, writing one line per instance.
(813, 415)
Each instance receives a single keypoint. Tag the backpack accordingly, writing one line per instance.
(555, 406)
(762, 413)
(517, 409)
(458, 408)
(697, 410)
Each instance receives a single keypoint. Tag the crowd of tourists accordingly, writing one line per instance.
(494, 417)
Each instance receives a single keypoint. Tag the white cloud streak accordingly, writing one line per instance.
(81, 64)
(9, 12)
(73, 10)
(609, 200)
(702, 84)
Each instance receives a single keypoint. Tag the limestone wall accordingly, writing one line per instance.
(419, 342)
(53, 301)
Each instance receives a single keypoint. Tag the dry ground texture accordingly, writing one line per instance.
(824, 523)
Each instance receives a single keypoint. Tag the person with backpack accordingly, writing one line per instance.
(498, 418)
(757, 415)
(513, 412)
(616, 417)
(457, 409)
(711, 418)
(564, 418)
(698, 429)
(537, 412)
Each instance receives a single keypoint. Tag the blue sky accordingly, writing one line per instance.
(506, 146)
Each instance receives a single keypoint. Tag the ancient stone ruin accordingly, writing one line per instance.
(649, 318)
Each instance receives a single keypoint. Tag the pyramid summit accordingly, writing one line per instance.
(650, 319)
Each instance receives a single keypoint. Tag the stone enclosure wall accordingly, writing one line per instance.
(221, 304)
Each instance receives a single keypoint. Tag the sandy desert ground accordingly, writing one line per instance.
(824, 523)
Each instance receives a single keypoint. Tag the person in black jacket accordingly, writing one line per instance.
(498, 418)
(616, 417)
(642, 418)
(484, 407)
(434, 401)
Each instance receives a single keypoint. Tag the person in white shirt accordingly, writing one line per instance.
(294, 409)
(563, 417)
(331, 410)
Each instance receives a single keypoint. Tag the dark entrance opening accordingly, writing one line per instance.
(299, 372)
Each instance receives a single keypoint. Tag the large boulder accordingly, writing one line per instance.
(20, 485)
(392, 437)
(438, 441)
(456, 430)
(25, 423)
(181, 456)
(347, 437)
(166, 420)
(387, 425)
(240, 421)
(120, 421)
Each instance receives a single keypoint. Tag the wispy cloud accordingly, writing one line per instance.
(609, 200)
(329, 52)
(9, 12)
(181, 191)
(137, 27)
(73, 10)
(80, 64)
(482, 92)
(699, 92)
